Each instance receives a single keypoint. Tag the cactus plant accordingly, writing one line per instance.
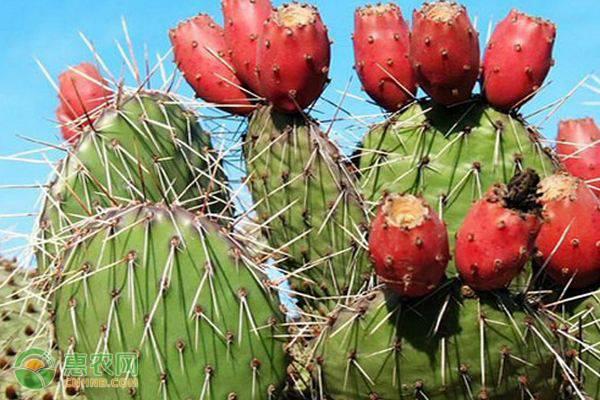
(577, 315)
(141, 251)
(24, 324)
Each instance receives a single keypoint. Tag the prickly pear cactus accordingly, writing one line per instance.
(454, 345)
(132, 259)
(175, 290)
(148, 148)
(450, 155)
(307, 204)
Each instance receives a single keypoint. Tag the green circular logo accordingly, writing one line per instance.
(34, 368)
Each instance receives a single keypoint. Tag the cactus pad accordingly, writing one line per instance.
(578, 317)
(450, 155)
(449, 346)
(146, 148)
(307, 202)
(175, 290)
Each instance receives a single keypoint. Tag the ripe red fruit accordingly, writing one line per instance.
(83, 92)
(381, 43)
(201, 55)
(579, 148)
(293, 57)
(409, 245)
(68, 128)
(444, 51)
(517, 59)
(569, 240)
(244, 21)
(498, 234)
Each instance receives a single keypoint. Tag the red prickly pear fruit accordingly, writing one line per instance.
(82, 90)
(69, 131)
(408, 244)
(201, 55)
(517, 59)
(82, 93)
(579, 149)
(498, 234)
(569, 240)
(444, 51)
(244, 21)
(293, 57)
(381, 43)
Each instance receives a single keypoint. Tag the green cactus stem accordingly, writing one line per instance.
(577, 317)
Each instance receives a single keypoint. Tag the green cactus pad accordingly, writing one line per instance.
(450, 155)
(147, 148)
(178, 292)
(307, 203)
(24, 325)
(449, 346)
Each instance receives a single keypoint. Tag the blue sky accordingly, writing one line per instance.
(48, 30)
